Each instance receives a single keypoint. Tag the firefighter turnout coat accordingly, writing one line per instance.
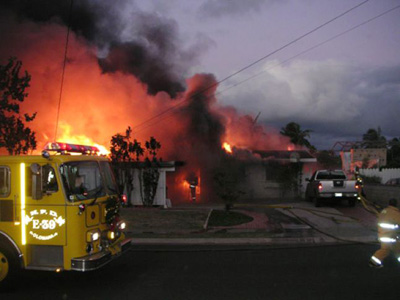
(388, 230)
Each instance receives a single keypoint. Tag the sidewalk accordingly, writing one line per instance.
(300, 224)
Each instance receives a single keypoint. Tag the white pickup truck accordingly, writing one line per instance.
(331, 184)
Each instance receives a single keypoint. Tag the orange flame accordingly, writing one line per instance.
(191, 187)
(227, 147)
(68, 137)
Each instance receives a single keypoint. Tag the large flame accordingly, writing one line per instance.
(80, 139)
(95, 105)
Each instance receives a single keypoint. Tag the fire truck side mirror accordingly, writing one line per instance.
(37, 193)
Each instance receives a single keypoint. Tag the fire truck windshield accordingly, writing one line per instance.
(108, 177)
(82, 180)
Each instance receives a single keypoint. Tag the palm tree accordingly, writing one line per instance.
(394, 153)
(374, 139)
(297, 135)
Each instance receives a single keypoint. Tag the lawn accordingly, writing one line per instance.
(227, 218)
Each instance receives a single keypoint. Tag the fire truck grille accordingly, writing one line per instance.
(48, 256)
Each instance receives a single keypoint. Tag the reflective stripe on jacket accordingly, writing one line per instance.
(388, 223)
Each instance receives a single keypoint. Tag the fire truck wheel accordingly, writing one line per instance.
(9, 267)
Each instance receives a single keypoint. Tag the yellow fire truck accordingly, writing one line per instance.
(58, 212)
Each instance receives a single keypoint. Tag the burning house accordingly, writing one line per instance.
(131, 177)
(127, 70)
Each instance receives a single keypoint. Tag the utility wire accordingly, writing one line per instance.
(313, 47)
(253, 63)
(147, 124)
(63, 70)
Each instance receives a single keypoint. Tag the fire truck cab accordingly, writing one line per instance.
(58, 212)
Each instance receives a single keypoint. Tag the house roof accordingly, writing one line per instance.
(167, 165)
(296, 155)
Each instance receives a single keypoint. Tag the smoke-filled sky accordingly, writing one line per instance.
(136, 49)
(339, 90)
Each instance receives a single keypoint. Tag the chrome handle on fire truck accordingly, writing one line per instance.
(16, 217)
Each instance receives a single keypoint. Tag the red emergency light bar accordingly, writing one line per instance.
(64, 147)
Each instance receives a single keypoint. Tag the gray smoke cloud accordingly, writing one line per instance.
(337, 100)
(128, 40)
(218, 8)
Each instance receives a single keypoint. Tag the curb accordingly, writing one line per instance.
(281, 241)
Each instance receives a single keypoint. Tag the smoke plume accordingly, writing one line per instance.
(119, 73)
(126, 39)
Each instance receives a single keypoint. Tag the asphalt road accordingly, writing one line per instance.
(171, 272)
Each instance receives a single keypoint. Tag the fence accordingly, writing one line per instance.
(381, 194)
(384, 174)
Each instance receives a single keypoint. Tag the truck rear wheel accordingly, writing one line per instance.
(9, 266)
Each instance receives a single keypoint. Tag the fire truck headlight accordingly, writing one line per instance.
(92, 236)
(121, 225)
(110, 235)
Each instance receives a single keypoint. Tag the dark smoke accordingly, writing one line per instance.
(134, 59)
(204, 128)
(128, 40)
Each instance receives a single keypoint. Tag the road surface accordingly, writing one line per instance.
(216, 272)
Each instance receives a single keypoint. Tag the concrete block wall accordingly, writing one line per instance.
(381, 193)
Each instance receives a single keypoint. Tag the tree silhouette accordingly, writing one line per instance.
(373, 138)
(123, 151)
(14, 135)
(152, 147)
(297, 135)
(394, 153)
(137, 148)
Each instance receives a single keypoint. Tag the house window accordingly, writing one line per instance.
(271, 171)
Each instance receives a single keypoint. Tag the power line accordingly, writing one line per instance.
(261, 73)
(264, 71)
(63, 70)
(252, 64)
(312, 48)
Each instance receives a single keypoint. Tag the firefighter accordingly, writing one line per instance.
(388, 230)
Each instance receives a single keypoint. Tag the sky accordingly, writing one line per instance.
(334, 83)
(338, 90)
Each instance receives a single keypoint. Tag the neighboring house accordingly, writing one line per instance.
(363, 158)
(372, 157)
(277, 174)
(134, 170)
